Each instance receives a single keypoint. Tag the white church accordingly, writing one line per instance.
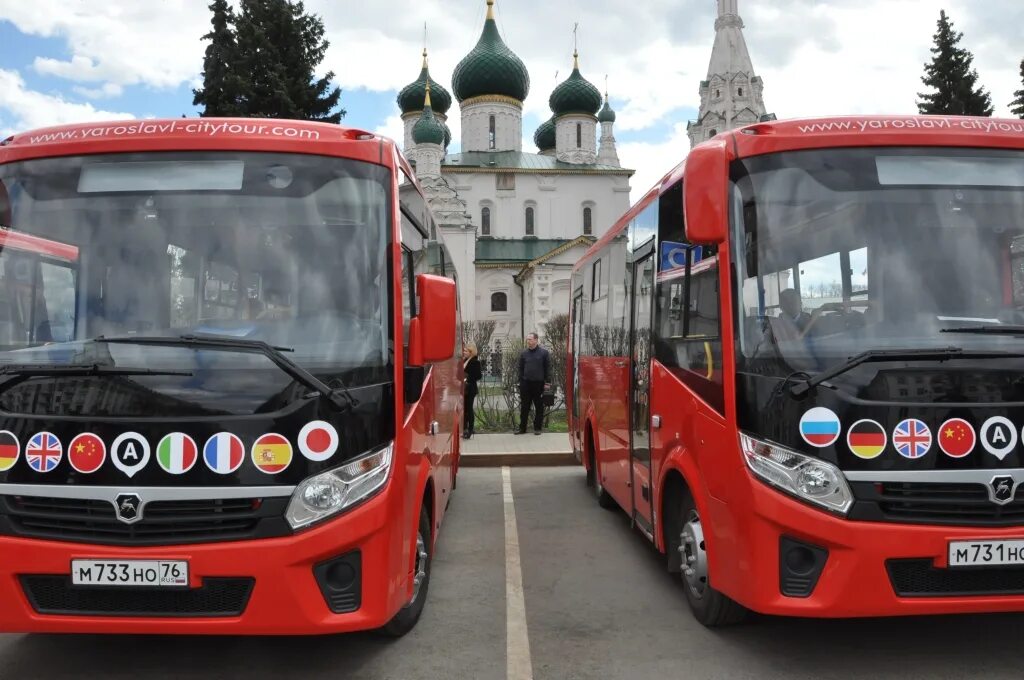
(515, 222)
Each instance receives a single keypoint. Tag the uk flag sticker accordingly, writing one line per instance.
(43, 452)
(912, 438)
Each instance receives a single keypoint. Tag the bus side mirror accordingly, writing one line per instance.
(436, 318)
(706, 193)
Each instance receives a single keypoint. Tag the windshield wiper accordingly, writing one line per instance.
(996, 329)
(341, 398)
(921, 354)
(21, 372)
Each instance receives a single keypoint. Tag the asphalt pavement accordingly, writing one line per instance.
(597, 604)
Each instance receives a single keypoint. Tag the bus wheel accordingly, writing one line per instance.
(407, 616)
(709, 606)
(604, 499)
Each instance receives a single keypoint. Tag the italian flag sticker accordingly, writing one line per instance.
(176, 453)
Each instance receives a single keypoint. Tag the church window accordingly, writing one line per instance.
(588, 221)
(712, 132)
(579, 135)
(529, 221)
(499, 302)
(491, 135)
(485, 222)
(741, 91)
(718, 93)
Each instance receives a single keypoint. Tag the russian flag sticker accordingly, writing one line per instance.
(819, 427)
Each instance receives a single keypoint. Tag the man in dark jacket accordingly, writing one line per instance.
(534, 378)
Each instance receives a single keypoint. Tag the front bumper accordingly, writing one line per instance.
(285, 597)
(856, 580)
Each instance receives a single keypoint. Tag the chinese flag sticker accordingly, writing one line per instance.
(956, 438)
(87, 453)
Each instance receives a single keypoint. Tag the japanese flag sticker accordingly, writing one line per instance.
(318, 440)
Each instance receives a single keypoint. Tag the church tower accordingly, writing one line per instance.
(490, 84)
(732, 94)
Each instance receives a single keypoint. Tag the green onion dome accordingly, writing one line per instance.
(410, 99)
(491, 68)
(544, 137)
(428, 129)
(606, 114)
(447, 135)
(575, 94)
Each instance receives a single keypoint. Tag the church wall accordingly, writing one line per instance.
(476, 126)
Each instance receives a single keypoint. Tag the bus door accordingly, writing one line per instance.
(576, 330)
(640, 415)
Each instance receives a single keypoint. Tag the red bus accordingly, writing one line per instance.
(230, 391)
(797, 364)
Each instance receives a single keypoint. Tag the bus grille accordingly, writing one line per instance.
(54, 594)
(921, 578)
(961, 504)
(162, 523)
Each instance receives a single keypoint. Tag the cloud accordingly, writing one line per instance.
(652, 160)
(25, 109)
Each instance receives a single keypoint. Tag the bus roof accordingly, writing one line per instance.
(199, 134)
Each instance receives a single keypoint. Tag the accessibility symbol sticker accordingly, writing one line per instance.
(999, 436)
(129, 452)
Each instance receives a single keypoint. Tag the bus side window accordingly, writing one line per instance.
(688, 333)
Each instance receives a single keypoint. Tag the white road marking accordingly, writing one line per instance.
(517, 640)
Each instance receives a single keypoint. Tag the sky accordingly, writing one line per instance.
(64, 61)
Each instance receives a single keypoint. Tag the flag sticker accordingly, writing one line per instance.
(912, 438)
(956, 438)
(318, 440)
(271, 453)
(999, 436)
(10, 450)
(43, 452)
(129, 452)
(176, 453)
(819, 427)
(867, 439)
(87, 453)
(223, 453)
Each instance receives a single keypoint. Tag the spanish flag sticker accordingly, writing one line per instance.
(271, 453)
(866, 439)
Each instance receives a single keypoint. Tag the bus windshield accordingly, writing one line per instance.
(287, 249)
(839, 251)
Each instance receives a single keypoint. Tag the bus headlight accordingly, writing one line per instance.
(810, 479)
(330, 492)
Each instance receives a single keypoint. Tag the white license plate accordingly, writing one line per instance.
(986, 553)
(162, 573)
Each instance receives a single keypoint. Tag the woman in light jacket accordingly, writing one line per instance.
(473, 375)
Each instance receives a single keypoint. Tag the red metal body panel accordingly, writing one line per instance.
(743, 519)
(286, 598)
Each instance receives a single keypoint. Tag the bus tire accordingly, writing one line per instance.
(406, 618)
(686, 555)
(604, 499)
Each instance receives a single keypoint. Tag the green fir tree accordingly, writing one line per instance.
(224, 91)
(1017, 105)
(950, 75)
(280, 47)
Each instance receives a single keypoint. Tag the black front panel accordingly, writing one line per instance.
(163, 522)
(921, 578)
(948, 503)
(368, 425)
(54, 594)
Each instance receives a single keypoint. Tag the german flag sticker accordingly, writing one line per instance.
(866, 439)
